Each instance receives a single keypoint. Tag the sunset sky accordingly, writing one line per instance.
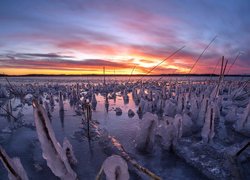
(82, 36)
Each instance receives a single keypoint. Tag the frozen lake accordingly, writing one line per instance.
(20, 140)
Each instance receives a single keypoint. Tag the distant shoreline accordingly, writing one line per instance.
(135, 75)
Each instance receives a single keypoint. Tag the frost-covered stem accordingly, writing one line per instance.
(242, 149)
(61, 107)
(211, 124)
(88, 117)
(8, 112)
(222, 71)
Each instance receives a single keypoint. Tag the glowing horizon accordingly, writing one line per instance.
(62, 37)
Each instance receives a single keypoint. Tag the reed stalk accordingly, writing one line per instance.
(202, 54)
(99, 174)
(171, 55)
(8, 113)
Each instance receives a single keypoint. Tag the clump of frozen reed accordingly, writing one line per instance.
(13, 166)
(114, 168)
(57, 159)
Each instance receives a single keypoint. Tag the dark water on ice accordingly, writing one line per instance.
(23, 141)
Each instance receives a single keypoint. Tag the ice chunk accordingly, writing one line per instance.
(243, 124)
(166, 130)
(14, 166)
(202, 112)
(67, 147)
(61, 106)
(125, 96)
(180, 104)
(178, 123)
(170, 108)
(46, 104)
(115, 168)
(141, 105)
(4, 93)
(231, 115)
(118, 111)
(51, 100)
(93, 101)
(194, 109)
(53, 153)
(164, 92)
(159, 105)
(148, 106)
(207, 132)
(146, 134)
(28, 97)
(131, 113)
(187, 125)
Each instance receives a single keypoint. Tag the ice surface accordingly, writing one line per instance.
(90, 154)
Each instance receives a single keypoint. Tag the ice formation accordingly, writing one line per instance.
(68, 150)
(61, 106)
(125, 96)
(207, 132)
(51, 100)
(202, 112)
(118, 111)
(131, 113)
(4, 93)
(170, 108)
(166, 130)
(178, 123)
(231, 116)
(186, 110)
(187, 125)
(180, 104)
(148, 106)
(146, 134)
(13, 166)
(46, 104)
(115, 168)
(194, 108)
(93, 101)
(53, 153)
(243, 123)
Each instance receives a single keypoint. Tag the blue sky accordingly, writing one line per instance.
(64, 36)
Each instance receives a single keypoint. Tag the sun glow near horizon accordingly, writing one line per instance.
(62, 38)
